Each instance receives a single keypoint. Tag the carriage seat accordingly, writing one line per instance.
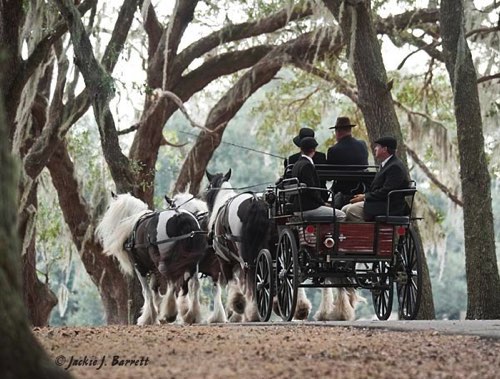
(317, 219)
(409, 195)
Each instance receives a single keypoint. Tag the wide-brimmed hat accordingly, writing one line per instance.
(303, 132)
(343, 122)
(387, 141)
(308, 143)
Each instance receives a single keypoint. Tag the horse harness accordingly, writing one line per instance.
(224, 240)
(131, 246)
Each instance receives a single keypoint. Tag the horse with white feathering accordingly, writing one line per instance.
(155, 245)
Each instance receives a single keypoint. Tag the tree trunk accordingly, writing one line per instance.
(374, 94)
(21, 356)
(483, 282)
(38, 298)
(121, 295)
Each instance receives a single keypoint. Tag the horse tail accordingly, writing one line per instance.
(113, 236)
(254, 236)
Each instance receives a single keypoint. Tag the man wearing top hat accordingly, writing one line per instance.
(318, 157)
(311, 201)
(392, 175)
(347, 151)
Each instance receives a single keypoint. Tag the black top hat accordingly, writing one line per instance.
(387, 141)
(304, 132)
(343, 122)
(308, 143)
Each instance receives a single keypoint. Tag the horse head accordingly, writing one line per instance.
(215, 183)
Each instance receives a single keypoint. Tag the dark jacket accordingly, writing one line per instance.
(392, 176)
(306, 173)
(318, 158)
(347, 151)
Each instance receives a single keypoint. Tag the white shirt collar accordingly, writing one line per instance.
(310, 159)
(385, 161)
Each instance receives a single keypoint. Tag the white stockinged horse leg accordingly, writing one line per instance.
(193, 315)
(251, 312)
(183, 304)
(236, 301)
(303, 305)
(355, 298)
(148, 312)
(343, 310)
(219, 315)
(325, 309)
(168, 306)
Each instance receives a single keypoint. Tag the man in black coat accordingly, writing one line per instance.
(318, 157)
(392, 176)
(310, 201)
(347, 151)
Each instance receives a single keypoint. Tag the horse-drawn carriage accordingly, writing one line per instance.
(314, 251)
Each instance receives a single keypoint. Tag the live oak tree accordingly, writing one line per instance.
(21, 356)
(483, 282)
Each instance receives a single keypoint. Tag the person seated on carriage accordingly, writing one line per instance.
(347, 151)
(311, 202)
(318, 157)
(392, 175)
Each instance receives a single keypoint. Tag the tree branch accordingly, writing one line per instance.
(99, 85)
(180, 19)
(237, 32)
(433, 177)
(488, 77)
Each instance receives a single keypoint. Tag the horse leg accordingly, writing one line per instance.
(218, 315)
(303, 305)
(168, 306)
(325, 309)
(193, 315)
(236, 300)
(354, 297)
(148, 312)
(343, 310)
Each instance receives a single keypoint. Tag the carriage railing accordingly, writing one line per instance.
(409, 196)
(292, 187)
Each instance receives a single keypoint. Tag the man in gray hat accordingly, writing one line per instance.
(347, 151)
(311, 201)
(392, 175)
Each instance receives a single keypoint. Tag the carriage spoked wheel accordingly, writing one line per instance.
(409, 282)
(382, 297)
(264, 285)
(287, 274)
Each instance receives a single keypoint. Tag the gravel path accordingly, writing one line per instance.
(270, 351)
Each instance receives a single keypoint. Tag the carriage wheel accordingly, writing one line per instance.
(287, 274)
(410, 287)
(264, 285)
(382, 297)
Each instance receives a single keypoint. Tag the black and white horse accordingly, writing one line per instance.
(169, 243)
(239, 227)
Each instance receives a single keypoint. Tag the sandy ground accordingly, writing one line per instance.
(270, 351)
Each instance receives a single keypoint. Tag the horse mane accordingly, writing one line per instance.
(219, 195)
(116, 226)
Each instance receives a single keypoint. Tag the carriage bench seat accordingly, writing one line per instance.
(318, 219)
(393, 220)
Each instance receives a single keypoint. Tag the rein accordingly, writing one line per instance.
(238, 188)
(178, 238)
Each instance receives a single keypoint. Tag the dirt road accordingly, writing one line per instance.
(271, 351)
